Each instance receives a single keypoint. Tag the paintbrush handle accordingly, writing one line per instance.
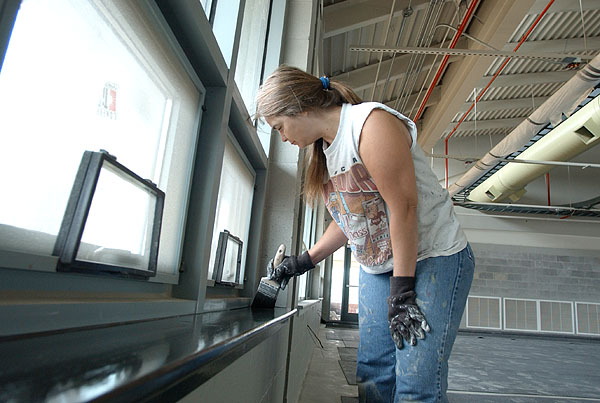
(279, 256)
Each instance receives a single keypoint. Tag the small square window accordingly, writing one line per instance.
(112, 221)
(228, 260)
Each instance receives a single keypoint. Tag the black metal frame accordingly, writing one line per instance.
(345, 315)
(76, 214)
(224, 237)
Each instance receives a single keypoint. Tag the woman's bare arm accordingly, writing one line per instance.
(385, 151)
(332, 240)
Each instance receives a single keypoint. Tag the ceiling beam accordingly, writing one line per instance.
(348, 15)
(434, 98)
(505, 104)
(560, 6)
(555, 45)
(364, 77)
(486, 124)
(512, 80)
(496, 22)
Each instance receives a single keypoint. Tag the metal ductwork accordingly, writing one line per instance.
(570, 138)
(562, 102)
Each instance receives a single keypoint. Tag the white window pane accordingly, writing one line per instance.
(251, 49)
(206, 5)
(302, 280)
(234, 203)
(118, 230)
(337, 283)
(224, 26)
(230, 261)
(97, 78)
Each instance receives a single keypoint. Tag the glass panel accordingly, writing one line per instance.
(337, 284)
(206, 5)
(224, 26)
(110, 83)
(302, 280)
(118, 230)
(264, 134)
(353, 284)
(230, 261)
(234, 203)
(250, 53)
(88, 101)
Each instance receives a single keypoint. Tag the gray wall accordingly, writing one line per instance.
(303, 342)
(536, 273)
(257, 376)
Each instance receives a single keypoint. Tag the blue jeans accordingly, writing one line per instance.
(413, 373)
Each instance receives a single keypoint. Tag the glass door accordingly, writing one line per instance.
(350, 291)
(344, 287)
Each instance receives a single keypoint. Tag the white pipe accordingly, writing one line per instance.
(563, 101)
(573, 136)
(582, 165)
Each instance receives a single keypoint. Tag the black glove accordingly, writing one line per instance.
(406, 319)
(289, 267)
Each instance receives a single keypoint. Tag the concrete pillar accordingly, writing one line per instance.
(282, 202)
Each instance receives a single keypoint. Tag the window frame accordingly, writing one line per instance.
(69, 238)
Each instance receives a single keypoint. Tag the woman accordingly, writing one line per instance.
(416, 265)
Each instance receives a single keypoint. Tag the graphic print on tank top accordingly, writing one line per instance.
(356, 206)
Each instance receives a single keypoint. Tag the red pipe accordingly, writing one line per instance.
(492, 80)
(459, 32)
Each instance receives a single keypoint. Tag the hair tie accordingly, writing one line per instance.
(325, 82)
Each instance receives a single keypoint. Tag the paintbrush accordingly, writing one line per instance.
(266, 295)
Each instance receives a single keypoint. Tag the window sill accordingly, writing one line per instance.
(162, 359)
(305, 304)
(223, 304)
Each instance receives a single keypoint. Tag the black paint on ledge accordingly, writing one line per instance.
(160, 360)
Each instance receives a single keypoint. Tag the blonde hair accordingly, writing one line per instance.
(289, 91)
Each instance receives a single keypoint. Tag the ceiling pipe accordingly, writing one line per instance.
(387, 31)
(572, 137)
(562, 102)
(525, 36)
(459, 31)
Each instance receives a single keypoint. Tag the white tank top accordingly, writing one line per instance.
(354, 202)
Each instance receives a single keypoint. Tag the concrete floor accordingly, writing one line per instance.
(483, 368)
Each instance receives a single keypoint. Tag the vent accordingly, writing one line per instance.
(585, 134)
(483, 312)
(588, 318)
(520, 314)
(556, 317)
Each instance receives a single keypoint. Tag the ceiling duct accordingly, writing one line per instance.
(563, 102)
(570, 138)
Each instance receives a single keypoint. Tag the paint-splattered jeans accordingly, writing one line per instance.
(415, 373)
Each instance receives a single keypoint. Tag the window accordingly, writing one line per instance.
(234, 205)
(224, 23)
(101, 233)
(251, 50)
(91, 75)
(207, 5)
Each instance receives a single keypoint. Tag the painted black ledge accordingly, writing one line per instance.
(159, 360)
